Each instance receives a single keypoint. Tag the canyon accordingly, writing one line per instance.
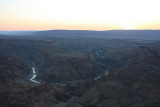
(65, 69)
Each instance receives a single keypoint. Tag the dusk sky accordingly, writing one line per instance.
(79, 14)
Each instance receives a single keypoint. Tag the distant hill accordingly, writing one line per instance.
(111, 34)
(17, 32)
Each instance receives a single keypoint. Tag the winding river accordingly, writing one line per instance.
(95, 78)
(34, 76)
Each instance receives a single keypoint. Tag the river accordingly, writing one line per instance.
(34, 76)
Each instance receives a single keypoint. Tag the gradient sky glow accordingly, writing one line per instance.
(79, 14)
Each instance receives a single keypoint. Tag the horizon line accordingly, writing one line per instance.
(75, 30)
